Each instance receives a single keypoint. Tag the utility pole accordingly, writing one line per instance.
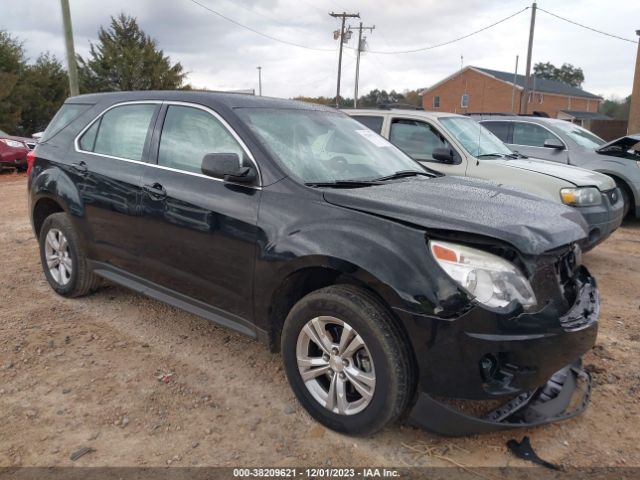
(340, 36)
(634, 112)
(527, 78)
(259, 81)
(513, 92)
(360, 49)
(72, 66)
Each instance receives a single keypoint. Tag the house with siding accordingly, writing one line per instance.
(481, 90)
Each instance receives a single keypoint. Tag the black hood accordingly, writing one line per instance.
(530, 224)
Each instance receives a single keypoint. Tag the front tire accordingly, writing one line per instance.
(63, 258)
(346, 360)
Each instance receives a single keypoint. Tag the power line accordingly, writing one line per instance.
(286, 42)
(421, 49)
(587, 27)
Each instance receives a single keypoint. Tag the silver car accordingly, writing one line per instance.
(565, 142)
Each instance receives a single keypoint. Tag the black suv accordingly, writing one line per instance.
(383, 284)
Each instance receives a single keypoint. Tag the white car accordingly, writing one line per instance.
(458, 145)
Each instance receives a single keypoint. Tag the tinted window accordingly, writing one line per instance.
(121, 132)
(374, 123)
(499, 129)
(531, 134)
(188, 134)
(88, 140)
(67, 114)
(417, 139)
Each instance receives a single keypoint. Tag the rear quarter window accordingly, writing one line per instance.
(67, 114)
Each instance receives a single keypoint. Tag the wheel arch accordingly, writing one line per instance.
(313, 275)
(625, 184)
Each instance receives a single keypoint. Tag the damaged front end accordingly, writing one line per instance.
(529, 358)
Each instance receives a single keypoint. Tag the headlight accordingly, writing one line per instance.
(491, 280)
(13, 143)
(581, 197)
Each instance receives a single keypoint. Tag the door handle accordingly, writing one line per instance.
(80, 167)
(155, 191)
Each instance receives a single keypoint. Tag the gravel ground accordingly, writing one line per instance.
(144, 384)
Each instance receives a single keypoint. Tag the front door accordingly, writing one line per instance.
(419, 139)
(200, 231)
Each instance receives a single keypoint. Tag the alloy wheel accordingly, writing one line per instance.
(56, 248)
(335, 365)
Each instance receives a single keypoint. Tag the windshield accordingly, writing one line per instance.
(476, 139)
(4, 134)
(581, 136)
(320, 146)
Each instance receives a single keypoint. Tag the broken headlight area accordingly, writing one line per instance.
(565, 395)
(488, 278)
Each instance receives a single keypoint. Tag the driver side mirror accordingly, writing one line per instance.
(444, 155)
(553, 143)
(227, 166)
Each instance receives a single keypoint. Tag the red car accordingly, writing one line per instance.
(13, 151)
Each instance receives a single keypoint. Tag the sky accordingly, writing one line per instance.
(219, 55)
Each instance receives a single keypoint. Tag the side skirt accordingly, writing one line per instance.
(178, 300)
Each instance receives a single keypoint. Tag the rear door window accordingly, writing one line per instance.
(121, 132)
(531, 134)
(499, 129)
(371, 122)
(415, 138)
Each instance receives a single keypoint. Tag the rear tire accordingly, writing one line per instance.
(63, 258)
(343, 338)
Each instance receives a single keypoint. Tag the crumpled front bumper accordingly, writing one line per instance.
(532, 359)
(547, 404)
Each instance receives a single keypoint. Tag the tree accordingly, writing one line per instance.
(126, 58)
(44, 87)
(567, 73)
(617, 108)
(12, 64)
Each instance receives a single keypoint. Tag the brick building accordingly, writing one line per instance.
(480, 90)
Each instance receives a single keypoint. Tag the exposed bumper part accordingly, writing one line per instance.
(547, 404)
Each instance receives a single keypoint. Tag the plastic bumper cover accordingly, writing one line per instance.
(547, 404)
(603, 219)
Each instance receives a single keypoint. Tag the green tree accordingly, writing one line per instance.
(45, 87)
(567, 73)
(12, 64)
(126, 58)
(617, 108)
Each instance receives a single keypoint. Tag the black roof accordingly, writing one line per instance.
(539, 84)
(230, 100)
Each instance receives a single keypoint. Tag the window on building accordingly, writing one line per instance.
(373, 123)
(531, 134)
(416, 139)
(464, 101)
(436, 101)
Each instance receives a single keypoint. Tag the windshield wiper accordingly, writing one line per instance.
(344, 184)
(408, 173)
(489, 155)
(515, 155)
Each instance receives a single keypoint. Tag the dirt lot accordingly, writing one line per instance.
(146, 384)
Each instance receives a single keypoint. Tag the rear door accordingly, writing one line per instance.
(106, 166)
(419, 139)
(200, 232)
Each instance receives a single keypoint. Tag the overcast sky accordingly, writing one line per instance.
(220, 55)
